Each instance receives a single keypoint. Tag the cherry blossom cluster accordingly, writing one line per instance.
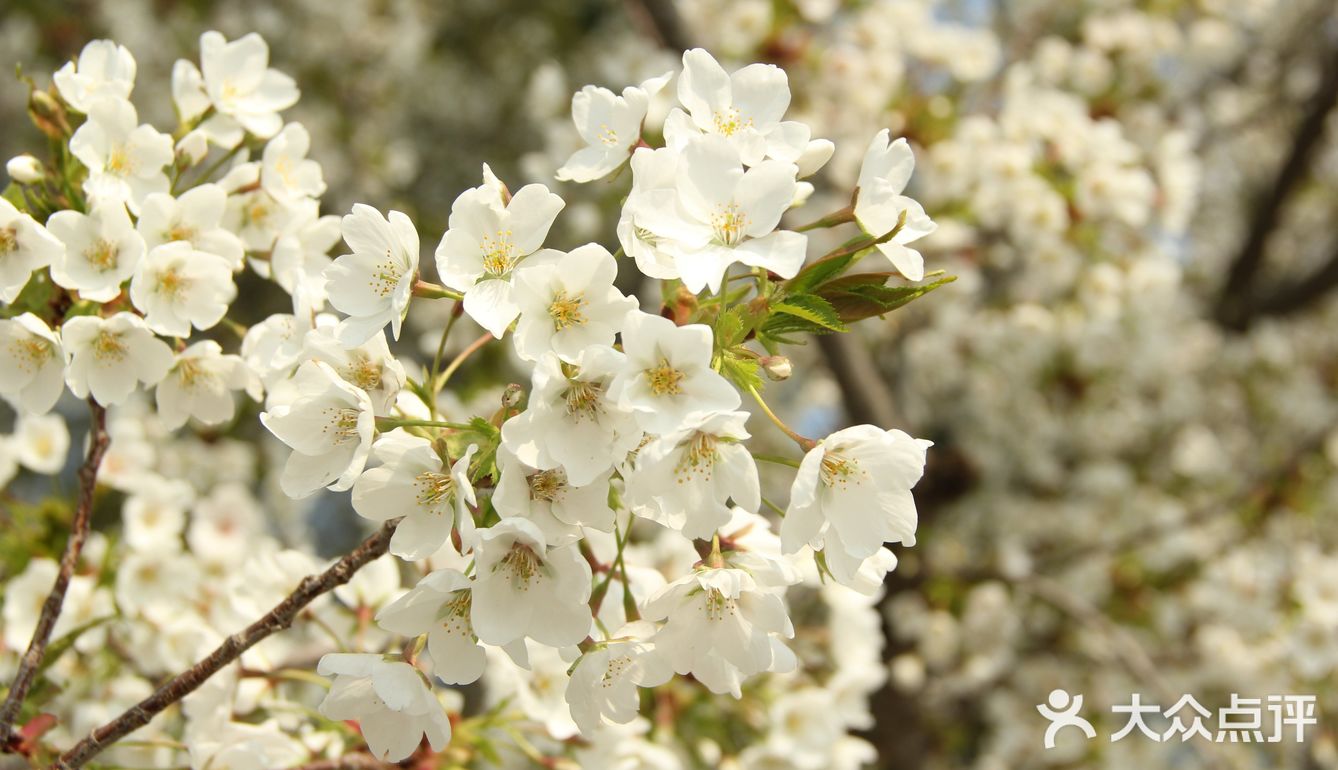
(603, 524)
(1135, 486)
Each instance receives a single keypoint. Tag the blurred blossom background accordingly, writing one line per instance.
(1130, 386)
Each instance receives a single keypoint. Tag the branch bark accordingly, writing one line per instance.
(658, 19)
(277, 619)
(55, 601)
(1236, 305)
(864, 392)
(1294, 297)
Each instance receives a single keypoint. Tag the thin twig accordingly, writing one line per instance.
(46, 621)
(277, 619)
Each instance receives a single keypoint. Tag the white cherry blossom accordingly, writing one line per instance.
(654, 178)
(524, 589)
(667, 373)
(605, 681)
(286, 173)
(489, 234)
(719, 214)
(328, 424)
(200, 385)
(101, 252)
(568, 303)
(545, 498)
(369, 366)
(103, 69)
(392, 704)
(439, 606)
(25, 246)
(880, 206)
(234, 78)
(686, 479)
(572, 422)
(107, 357)
(302, 253)
(610, 126)
(41, 442)
(719, 626)
(178, 287)
(196, 217)
(745, 108)
(32, 363)
(373, 284)
(125, 159)
(852, 493)
(414, 483)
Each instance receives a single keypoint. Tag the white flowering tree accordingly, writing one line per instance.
(597, 542)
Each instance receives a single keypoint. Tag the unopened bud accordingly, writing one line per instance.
(777, 367)
(511, 396)
(684, 305)
(24, 169)
(48, 114)
(193, 147)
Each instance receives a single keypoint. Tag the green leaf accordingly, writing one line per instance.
(59, 646)
(743, 372)
(729, 329)
(815, 273)
(857, 297)
(803, 312)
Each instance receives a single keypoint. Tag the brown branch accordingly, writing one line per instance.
(1235, 306)
(1294, 297)
(277, 619)
(864, 392)
(659, 20)
(46, 621)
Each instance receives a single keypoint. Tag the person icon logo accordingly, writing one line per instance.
(1062, 711)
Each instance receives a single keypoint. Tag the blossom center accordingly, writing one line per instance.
(386, 276)
(181, 232)
(102, 255)
(256, 213)
(31, 351)
(840, 471)
(730, 121)
(729, 223)
(664, 379)
(583, 399)
(607, 135)
(521, 565)
(645, 236)
(119, 163)
(434, 488)
(192, 375)
(698, 458)
(565, 310)
(499, 253)
(9, 240)
(717, 606)
(172, 283)
(615, 670)
(364, 373)
(107, 346)
(341, 424)
(454, 615)
(547, 486)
